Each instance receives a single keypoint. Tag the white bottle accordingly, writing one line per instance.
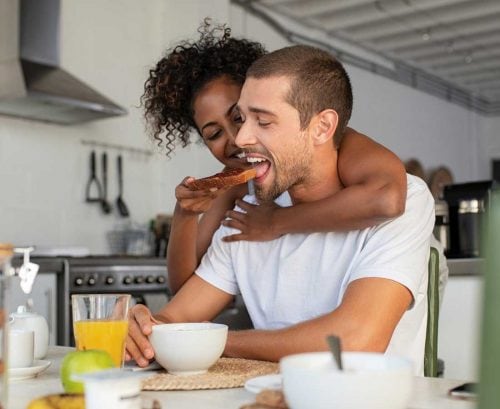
(23, 319)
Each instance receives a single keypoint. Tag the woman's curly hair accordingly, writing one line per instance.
(174, 82)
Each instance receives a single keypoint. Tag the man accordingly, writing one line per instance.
(366, 286)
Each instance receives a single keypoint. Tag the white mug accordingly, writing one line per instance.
(21, 348)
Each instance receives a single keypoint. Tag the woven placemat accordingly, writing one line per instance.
(226, 373)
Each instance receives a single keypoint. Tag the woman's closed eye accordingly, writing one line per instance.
(213, 136)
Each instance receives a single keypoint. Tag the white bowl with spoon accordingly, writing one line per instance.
(368, 380)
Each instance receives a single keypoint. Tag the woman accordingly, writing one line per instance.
(196, 87)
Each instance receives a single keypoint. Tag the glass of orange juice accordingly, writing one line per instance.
(100, 322)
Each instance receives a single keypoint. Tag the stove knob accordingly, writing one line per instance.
(160, 279)
(139, 279)
(150, 279)
(127, 280)
(109, 280)
(91, 281)
(78, 281)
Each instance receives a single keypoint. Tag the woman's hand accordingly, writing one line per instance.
(195, 202)
(256, 224)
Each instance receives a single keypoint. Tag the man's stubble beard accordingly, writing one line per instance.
(291, 170)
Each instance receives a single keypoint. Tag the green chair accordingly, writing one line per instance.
(431, 339)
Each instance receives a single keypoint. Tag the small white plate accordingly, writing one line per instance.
(255, 385)
(18, 374)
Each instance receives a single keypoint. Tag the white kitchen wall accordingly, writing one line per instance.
(44, 168)
(111, 44)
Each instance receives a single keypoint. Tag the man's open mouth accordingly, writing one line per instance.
(261, 166)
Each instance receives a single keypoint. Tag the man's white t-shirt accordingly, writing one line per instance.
(298, 277)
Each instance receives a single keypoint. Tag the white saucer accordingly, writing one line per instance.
(255, 385)
(18, 374)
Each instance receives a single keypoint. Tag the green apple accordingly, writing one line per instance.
(80, 362)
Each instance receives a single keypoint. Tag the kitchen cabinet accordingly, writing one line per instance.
(460, 320)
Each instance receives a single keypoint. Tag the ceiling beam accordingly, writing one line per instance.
(305, 9)
(437, 48)
(470, 69)
(443, 16)
(478, 59)
(413, 39)
(473, 76)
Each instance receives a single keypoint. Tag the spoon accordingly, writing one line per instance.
(336, 348)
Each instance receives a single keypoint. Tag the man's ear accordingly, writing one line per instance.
(326, 123)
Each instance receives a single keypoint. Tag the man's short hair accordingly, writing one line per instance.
(318, 82)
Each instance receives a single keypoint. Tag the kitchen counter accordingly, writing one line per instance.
(465, 266)
(430, 393)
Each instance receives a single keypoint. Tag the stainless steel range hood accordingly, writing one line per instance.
(33, 85)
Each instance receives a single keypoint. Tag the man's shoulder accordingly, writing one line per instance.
(417, 190)
(414, 183)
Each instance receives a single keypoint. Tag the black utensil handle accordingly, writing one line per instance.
(120, 176)
(92, 164)
(93, 181)
(104, 161)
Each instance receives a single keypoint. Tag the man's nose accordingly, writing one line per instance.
(245, 136)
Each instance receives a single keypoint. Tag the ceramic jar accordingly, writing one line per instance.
(23, 319)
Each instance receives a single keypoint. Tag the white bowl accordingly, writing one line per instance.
(369, 380)
(188, 348)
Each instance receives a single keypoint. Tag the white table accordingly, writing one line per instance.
(429, 393)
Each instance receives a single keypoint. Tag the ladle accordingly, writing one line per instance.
(336, 349)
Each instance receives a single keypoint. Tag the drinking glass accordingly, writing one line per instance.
(100, 322)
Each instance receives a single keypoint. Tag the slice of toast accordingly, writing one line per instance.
(230, 177)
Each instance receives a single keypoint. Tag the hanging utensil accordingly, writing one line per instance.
(93, 182)
(105, 205)
(120, 203)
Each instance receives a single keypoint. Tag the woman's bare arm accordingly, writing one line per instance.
(375, 191)
(191, 235)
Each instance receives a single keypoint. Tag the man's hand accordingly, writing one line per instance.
(197, 201)
(140, 326)
(257, 224)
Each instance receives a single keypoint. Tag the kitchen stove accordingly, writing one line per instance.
(144, 278)
(117, 278)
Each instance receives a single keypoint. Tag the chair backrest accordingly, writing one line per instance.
(431, 339)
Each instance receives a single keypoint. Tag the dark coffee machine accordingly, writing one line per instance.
(467, 203)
